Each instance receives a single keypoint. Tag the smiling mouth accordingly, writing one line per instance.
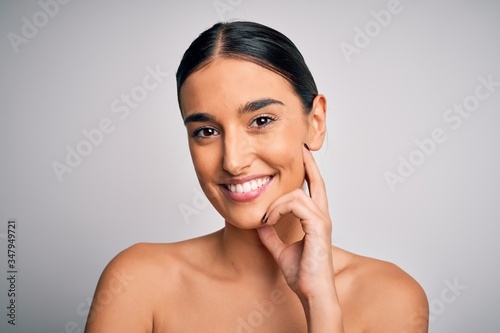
(247, 186)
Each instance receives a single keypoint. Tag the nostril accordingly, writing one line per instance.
(237, 154)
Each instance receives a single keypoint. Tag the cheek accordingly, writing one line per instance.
(205, 167)
(203, 163)
(285, 153)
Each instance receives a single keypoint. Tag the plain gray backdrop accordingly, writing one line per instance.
(411, 160)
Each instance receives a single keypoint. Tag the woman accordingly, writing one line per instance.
(253, 113)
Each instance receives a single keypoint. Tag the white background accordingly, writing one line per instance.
(440, 225)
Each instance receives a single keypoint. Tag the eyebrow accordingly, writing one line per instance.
(198, 118)
(247, 108)
(257, 104)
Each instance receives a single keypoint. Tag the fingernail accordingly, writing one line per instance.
(264, 218)
(307, 147)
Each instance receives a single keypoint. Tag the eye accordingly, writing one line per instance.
(205, 132)
(262, 121)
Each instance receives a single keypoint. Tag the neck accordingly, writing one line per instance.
(248, 257)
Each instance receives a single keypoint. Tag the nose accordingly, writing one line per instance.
(237, 154)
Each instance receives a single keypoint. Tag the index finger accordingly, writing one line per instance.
(317, 189)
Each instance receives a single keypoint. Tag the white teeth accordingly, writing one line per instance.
(248, 186)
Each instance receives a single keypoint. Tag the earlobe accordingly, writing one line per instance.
(317, 123)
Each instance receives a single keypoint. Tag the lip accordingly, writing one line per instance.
(247, 196)
(244, 179)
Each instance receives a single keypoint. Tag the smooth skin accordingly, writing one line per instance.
(272, 267)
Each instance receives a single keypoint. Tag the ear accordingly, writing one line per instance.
(317, 123)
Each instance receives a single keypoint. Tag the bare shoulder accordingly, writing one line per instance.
(124, 282)
(133, 284)
(385, 296)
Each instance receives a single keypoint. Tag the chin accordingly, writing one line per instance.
(247, 223)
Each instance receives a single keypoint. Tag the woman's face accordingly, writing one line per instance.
(246, 128)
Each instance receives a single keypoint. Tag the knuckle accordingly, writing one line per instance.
(299, 194)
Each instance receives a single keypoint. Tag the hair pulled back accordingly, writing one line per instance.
(253, 42)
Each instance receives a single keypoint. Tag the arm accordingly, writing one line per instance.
(323, 315)
(307, 265)
(389, 300)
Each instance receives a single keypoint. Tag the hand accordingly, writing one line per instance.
(307, 264)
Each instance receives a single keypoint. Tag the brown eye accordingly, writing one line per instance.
(205, 132)
(262, 121)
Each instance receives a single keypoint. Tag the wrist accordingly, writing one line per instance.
(325, 300)
(323, 314)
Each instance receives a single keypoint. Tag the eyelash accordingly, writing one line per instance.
(270, 119)
(199, 130)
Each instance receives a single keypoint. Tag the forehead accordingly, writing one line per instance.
(228, 83)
